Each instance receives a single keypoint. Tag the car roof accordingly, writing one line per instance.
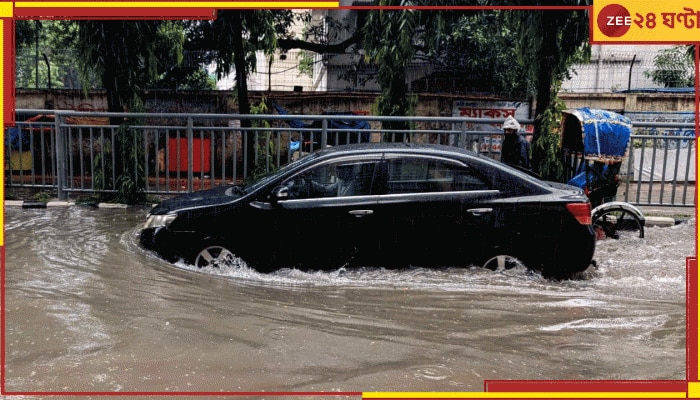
(423, 148)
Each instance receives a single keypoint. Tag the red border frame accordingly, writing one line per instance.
(503, 386)
(628, 386)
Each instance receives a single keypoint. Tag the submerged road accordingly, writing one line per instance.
(87, 310)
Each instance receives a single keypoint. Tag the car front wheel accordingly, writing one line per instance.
(502, 262)
(217, 256)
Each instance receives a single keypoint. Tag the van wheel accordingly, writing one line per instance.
(217, 256)
(502, 262)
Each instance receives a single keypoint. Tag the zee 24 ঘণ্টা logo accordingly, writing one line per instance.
(643, 21)
(614, 20)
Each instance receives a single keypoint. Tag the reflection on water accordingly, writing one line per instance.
(87, 310)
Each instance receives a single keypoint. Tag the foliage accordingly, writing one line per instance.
(234, 37)
(123, 181)
(548, 142)
(59, 40)
(194, 79)
(516, 52)
(46, 47)
(475, 51)
(26, 32)
(42, 196)
(674, 67)
(306, 63)
(241, 33)
(102, 171)
(130, 183)
(265, 148)
(321, 36)
(550, 41)
(519, 53)
(389, 40)
(128, 188)
(128, 55)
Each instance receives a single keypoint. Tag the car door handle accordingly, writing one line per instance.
(477, 212)
(360, 213)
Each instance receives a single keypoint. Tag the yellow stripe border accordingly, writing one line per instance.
(6, 8)
(693, 390)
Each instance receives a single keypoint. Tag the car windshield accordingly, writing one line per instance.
(264, 178)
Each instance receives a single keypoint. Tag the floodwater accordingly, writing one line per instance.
(87, 310)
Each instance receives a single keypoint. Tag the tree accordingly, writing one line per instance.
(551, 40)
(388, 40)
(45, 56)
(524, 52)
(474, 53)
(545, 43)
(233, 39)
(128, 56)
(674, 67)
(44, 46)
(392, 39)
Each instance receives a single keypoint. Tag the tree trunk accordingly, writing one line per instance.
(242, 89)
(110, 80)
(545, 78)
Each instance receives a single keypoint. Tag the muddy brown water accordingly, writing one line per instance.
(87, 310)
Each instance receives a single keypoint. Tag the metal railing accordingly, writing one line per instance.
(83, 153)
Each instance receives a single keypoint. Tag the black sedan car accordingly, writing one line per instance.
(389, 205)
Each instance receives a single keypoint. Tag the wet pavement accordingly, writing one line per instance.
(87, 310)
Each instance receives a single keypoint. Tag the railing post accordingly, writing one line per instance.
(462, 138)
(629, 174)
(190, 152)
(324, 133)
(60, 157)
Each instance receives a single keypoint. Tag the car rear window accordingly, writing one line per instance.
(422, 175)
(509, 181)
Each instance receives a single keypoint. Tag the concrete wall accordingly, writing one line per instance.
(222, 102)
(620, 102)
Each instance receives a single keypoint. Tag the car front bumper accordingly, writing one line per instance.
(167, 244)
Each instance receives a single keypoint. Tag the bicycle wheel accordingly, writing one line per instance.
(617, 219)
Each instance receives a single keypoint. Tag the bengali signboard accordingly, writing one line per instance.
(644, 21)
(479, 140)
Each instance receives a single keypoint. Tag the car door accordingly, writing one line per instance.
(325, 216)
(434, 210)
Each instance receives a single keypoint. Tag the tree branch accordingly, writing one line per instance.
(320, 48)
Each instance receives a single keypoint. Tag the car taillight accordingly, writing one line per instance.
(581, 211)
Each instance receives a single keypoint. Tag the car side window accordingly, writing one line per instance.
(337, 179)
(425, 175)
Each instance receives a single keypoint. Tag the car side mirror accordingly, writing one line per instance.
(280, 193)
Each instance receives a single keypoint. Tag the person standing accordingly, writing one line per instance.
(515, 150)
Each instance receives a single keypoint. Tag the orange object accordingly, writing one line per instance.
(201, 155)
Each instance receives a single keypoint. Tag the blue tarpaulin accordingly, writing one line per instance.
(339, 125)
(291, 122)
(602, 137)
(605, 133)
(590, 178)
(18, 140)
(332, 123)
